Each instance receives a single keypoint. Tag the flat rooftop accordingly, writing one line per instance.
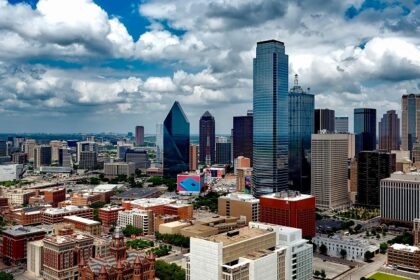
(138, 193)
(112, 208)
(69, 208)
(241, 197)
(406, 248)
(66, 238)
(82, 220)
(20, 230)
(287, 196)
(244, 234)
(150, 202)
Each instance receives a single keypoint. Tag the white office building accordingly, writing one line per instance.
(10, 172)
(34, 258)
(138, 218)
(259, 251)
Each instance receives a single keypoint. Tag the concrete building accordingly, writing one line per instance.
(142, 219)
(64, 157)
(10, 172)
(85, 146)
(56, 215)
(329, 165)
(157, 205)
(140, 158)
(139, 135)
(86, 199)
(410, 129)
(289, 208)
(400, 198)
(88, 160)
(27, 216)
(244, 180)
(85, 225)
(241, 162)
(260, 251)
(19, 158)
(193, 157)
(342, 124)
(55, 146)
(17, 197)
(54, 195)
(29, 147)
(35, 258)
(239, 205)
(404, 257)
(42, 156)
(355, 248)
(114, 169)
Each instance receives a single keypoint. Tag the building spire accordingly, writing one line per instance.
(296, 80)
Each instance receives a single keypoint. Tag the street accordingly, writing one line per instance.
(363, 271)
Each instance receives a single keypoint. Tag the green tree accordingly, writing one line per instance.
(323, 249)
(383, 247)
(130, 230)
(368, 256)
(94, 181)
(317, 273)
(166, 271)
(358, 227)
(6, 276)
(323, 274)
(343, 253)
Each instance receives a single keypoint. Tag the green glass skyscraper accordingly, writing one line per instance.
(271, 118)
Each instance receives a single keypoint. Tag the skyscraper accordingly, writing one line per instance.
(223, 151)
(342, 124)
(324, 119)
(410, 105)
(159, 145)
(193, 157)
(207, 139)
(372, 167)
(271, 117)
(242, 134)
(329, 165)
(42, 156)
(139, 135)
(365, 129)
(389, 131)
(3, 148)
(301, 116)
(176, 142)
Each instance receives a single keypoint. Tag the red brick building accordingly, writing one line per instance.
(15, 242)
(109, 215)
(27, 216)
(184, 211)
(54, 195)
(290, 209)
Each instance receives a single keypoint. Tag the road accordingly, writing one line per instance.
(363, 271)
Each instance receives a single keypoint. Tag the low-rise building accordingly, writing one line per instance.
(27, 216)
(86, 225)
(17, 197)
(163, 219)
(142, 219)
(114, 169)
(404, 257)
(239, 205)
(86, 199)
(157, 205)
(54, 195)
(184, 211)
(109, 215)
(56, 215)
(10, 172)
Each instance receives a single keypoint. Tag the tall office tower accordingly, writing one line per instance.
(139, 157)
(410, 105)
(139, 135)
(122, 150)
(207, 139)
(259, 251)
(416, 232)
(324, 119)
(86, 146)
(389, 131)
(223, 153)
(193, 157)
(55, 145)
(176, 142)
(18, 143)
(64, 157)
(159, 145)
(365, 129)
(342, 124)
(301, 119)
(271, 118)
(88, 160)
(42, 156)
(3, 148)
(329, 166)
(28, 148)
(242, 136)
(372, 167)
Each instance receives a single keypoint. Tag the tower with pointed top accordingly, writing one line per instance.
(117, 247)
(207, 139)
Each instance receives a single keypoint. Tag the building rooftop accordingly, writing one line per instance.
(150, 202)
(177, 224)
(66, 238)
(82, 220)
(112, 208)
(20, 230)
(241, 197)
(106, 187)
(138, 193)
(243, 235)
(288, 195)
(69, 208)
(401, 176)
(406, 248)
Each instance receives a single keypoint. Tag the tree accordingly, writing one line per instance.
(323, 249)
(6, 276)
(343, 253)
(166, 271)
(317, 273)
(368, 256)
(383, 247)
(323, 274)
(130, 230)
(358, 227)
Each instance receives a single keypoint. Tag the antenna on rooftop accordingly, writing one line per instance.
(296, 80)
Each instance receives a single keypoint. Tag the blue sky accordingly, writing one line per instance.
(108, 65)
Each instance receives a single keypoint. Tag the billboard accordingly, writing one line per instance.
(189, 183)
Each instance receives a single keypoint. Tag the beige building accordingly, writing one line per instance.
(85, 225)
(55, 146)
(17, 197)
(29, 147)
(239, 205)
(193, 157)
(35, 258)
(241, 162)
(243, 177)
(404, 257)
(329, 170)
(113, 169)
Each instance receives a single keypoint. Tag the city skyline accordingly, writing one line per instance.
(133, 61)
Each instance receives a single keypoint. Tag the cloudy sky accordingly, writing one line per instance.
(108, 65)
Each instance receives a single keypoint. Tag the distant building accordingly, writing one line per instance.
(223, 153)
(410, 130)
(10, 172)
(34, 258)
(114, 169)
(176, 142)
(56, 215)
(55, 146)
(122, 149)
(17, 197)
(389, 131)
(28, 148)
(142, 219)
(365, 129)
(64, 157)
(324, 119)
(86, 146)
(54, 195)
(42, 156)
(342, 124)
(19, 158)
(290, 209)
(193, 157)
(207, 139)
(85, 198)
(241, 162)
(88, 160)
(140, 158)
(88, 226)
(239, 205)
(242, 134)
(244, 180)
(139, 135)
(109, 215)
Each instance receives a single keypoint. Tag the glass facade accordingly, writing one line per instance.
(271, 118)
(301, 119)
(342, 124)
(242, 136)
(176, 142)
(324, 120)
(365, 129)
(207, 139)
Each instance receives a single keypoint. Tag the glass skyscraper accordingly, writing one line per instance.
(207, 139)
(389, 131)
(271, 118)
(365, 129)
(410, 108)
(176, 142)
(301, 119)
(242, 136)
(324, 119)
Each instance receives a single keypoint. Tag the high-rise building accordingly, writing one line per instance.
(114, 169)
(207, 139)
(42, 156)
(159, 145)
(139, 135)
(3, 148)
(64, 157)
(242, 134)
(342, 124)
(389, 131)
(29, 147)
(55, 145)
(122, 149)
(301, 119)
(365, 129)
(372, 167)
(289, 208)
(270, 118)
(88, 160)
(410, 106)
(329, 170)
(176, 142)
(259, 251)
(193, 157)
(400, 198)
(139, 157)
(324, 119)
(86, 146)
(223, 153)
